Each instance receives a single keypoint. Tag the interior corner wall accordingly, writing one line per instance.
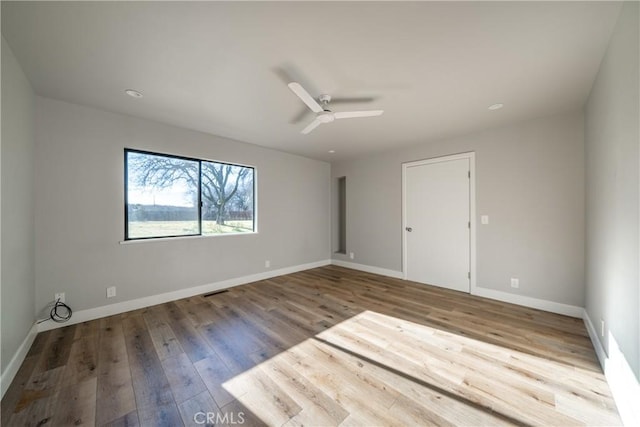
(17, 229)
(612, 162)
(529, 180)
(80, 210)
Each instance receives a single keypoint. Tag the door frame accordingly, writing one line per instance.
(472, 209)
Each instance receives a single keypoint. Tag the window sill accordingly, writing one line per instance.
(168, 239)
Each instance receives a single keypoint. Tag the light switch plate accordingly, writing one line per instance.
(484, 219)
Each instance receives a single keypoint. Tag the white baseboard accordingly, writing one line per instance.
(16, 361)
(122, 307)
(368, 268)
(597, 345)
(622, 381)
(540, 304)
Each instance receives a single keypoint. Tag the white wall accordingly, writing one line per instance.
(80, 210)
(17, 231)
(530, 181)
(612, 159)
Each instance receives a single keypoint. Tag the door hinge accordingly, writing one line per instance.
(469, 224)
(469, 275)
(469, 174)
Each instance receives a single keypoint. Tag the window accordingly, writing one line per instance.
(171, 196)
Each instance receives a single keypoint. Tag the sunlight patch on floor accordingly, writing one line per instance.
(377, 369)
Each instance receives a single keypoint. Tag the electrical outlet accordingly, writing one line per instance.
(602, 328)
(59, 296)
(111, 292)
(352, 255)
(515, 282)
(267, 264)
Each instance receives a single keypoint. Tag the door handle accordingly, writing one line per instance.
(409, 229)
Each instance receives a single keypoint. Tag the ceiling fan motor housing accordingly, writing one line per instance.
(324, 100)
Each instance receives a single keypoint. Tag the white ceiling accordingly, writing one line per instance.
(222, 68)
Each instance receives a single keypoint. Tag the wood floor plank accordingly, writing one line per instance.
(39, 396)
(37, 412)
(83, 360)
(12, 396)
(346, 387)
(452, 408)
(190, 339)
(239, 414)
(202, 313)
(259, 327)
(162, 335)
(370, 389)
(327, 346)
(87, 329)
(183, 378)
(199, 410)
(39, 343)
(56, 350)
(318, 407)
(256, 390)
(154, 400)
(127, 420)
(227, 348)
(166, 415)
(115, 384)
(214, 374)
(405, 411)
(76, 404)
(231, 324)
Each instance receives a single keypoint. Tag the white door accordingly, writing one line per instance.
(437, 223)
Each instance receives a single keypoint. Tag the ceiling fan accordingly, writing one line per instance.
(323, 114)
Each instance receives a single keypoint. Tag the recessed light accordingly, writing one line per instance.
(133, 93)
(332, 151)
(496, 106)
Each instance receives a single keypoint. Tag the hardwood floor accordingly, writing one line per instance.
(328, 346)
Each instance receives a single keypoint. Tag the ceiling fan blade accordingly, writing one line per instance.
(353, 100)
(305, 97)
(354, 114)
(311, 126)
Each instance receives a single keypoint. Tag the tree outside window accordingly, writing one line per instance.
(169, 196)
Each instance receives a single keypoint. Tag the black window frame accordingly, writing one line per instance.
(200, 204)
